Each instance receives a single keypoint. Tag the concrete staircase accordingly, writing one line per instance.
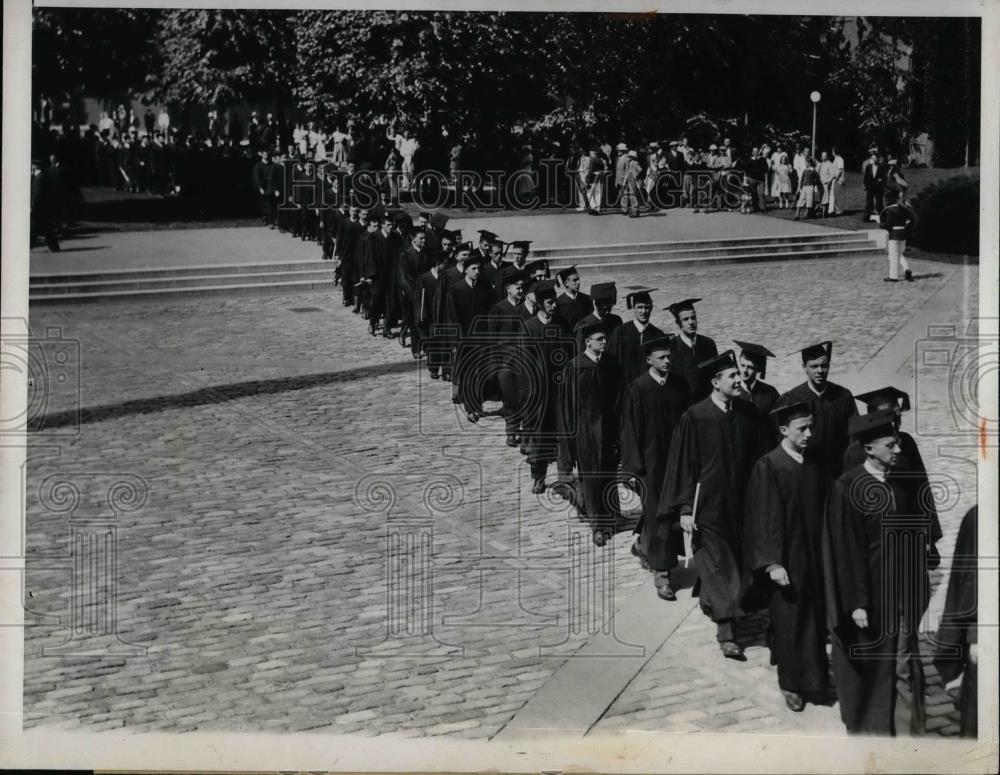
(290, 277)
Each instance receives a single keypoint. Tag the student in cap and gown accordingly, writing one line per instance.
(506, 320)
(436, 230)
(783, 535)
(349, 232)
(877, 584)
(957, 640)
(411, 263)
(603, 296)
(453, 274)
(715, 445)
(652, 406)
(834, 407)
(382, 260)
(519, 257)
(589, 406)
(691, 349)
(627, 342)
(753, 369)
(367, 273)
(494, 268)
(486, 238)
(546, 345)
(469, 303)
(573, 305)
(429, 312)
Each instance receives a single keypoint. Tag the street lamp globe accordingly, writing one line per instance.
(815, 96)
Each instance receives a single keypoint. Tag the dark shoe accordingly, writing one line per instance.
(665, 592)
(472, 417)
(732, 650)
(435, 375)
(909, 276)
(511, 440)
(794, 701)
(601, 537)
(538, 486)
(637, 553)
(889, 280)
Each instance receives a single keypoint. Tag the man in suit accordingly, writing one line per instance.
(873, 175)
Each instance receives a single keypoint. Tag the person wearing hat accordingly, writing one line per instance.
(910, 465)
(589, 407)
(573, 304)
(596, 173)
(877, 584)
(652, 406)
(454, 273)
(349, 231)
(436, 230)
(604, 296)
(379, 266)
(627, 341)
(897, 219)
(493, 269)
(469, 303)
(449, 239)
(368, 272)
(506, 319)
(833, 407)
(545, 345)
(753, 369)
(519, 255)
(411, 263)
(783, 535)
(713, 449)
(486, 239)
(429, 312)
(630, 186)
(621, 166)
(691, 348)
(537, 270)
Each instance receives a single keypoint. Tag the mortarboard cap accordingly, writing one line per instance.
(455, 236)
(439, 256)
(603, 292)
(541, 265)
(721, 362)
(403, 221)
(587, 330)
(657, 343)
(439, 220)
(461, 247)
(544, 289)
(887, 395)
(565, 274)
(782, 415)
(678, 307)
(639, 296)
(486, 236)
(868, 427)
(756, 354)
(425, 215)
(510, 275)
(521, 244)
(817, 351)
(473, 258)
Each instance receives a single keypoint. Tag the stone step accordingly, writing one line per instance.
(117, 275)
(181, 293)
(614, 262)
(69, 286)
(788, 248)
(830, 235)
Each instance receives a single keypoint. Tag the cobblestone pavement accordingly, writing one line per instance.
(314, 539)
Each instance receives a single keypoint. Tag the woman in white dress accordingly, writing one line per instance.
(783, 181)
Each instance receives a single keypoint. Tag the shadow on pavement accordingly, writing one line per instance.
(211, 395)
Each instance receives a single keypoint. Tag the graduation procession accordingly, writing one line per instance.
(785, 501)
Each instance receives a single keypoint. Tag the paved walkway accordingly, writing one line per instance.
(310, 537)
(250, 245)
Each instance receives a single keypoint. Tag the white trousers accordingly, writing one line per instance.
(896, 258)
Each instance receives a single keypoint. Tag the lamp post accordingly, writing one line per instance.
(815, 97)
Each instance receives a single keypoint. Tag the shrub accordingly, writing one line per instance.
(948, 216)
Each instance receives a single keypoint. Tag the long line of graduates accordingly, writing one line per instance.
(789, 501)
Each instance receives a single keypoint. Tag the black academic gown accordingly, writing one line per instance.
(468, 309)
(875, 558)
(957, 630)
(650, 412)
(544, 349)
(625, 344)
(761, 395)
(589, 406)
(783, 525)
(717, 450)
(611, 323)
(494, 276)
(685, 363)
(572, 311)
(506, 321)
(831, 413)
